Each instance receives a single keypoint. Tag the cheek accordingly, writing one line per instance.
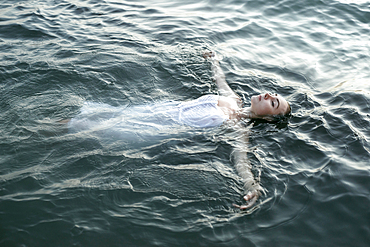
(263, 109)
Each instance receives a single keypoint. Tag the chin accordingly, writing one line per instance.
(253, 99)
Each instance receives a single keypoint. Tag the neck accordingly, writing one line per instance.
(247, 113)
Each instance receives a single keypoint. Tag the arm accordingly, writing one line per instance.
(219, 76)
(252, 188)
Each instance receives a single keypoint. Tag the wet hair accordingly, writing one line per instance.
(281, 121)
(289, 110)
(280, 117)
(283, 117)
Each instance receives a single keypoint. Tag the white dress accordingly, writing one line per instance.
(202, 112)
(145, 121)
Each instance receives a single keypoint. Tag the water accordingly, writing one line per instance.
(65, 189)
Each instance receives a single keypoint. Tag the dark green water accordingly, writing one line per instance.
(72, 189)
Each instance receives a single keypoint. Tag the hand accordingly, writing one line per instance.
(251, 198)
(209, 54)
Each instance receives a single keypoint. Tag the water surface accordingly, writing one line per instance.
(63, 189)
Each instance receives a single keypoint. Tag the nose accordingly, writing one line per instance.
(268, 95)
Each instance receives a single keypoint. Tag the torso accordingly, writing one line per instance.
(202, 112)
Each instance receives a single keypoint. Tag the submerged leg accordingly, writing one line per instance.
(64, 121)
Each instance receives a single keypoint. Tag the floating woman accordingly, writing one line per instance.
(145, 123)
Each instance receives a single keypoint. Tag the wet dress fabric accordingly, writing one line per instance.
(143, 121)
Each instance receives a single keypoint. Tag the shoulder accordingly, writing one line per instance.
(228, 102)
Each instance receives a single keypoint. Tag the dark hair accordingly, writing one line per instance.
(288, 111)
(280, 121)
(282, 117)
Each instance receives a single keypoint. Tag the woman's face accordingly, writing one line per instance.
(268, 104)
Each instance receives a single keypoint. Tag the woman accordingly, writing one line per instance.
(142, 123)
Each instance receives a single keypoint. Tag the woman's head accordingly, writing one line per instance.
(269, 105)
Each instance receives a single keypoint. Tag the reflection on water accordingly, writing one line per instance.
(78, 189)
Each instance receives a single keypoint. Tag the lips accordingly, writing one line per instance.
(256, 99)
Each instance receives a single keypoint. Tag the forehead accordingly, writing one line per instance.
(281, 98)
(283, 102)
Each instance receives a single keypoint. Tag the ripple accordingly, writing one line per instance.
(81, 189)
